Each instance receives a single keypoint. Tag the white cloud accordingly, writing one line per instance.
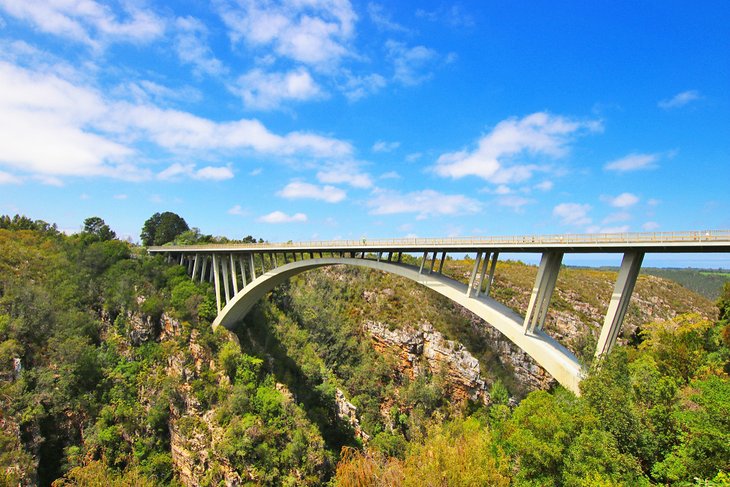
(358, 86)
(411, 65)
(538, 134)
(87, 21)
(7, 178)
(281, 217)
(345, 173)
(120, 196)
(192, 48)
(513, 201)
(382, 19)
(573, 213)
(313, 32)
(238, 211)
(633, 162)
(680, 99)
(256, 172)
(298, 189)
(264, 91)
(383, 146)
(544, 186)
(624, 200)
(424, 203)
(413, 157)
(87, 133)
(503, 189)
(650, 226)
(210, 173)
(390, 175)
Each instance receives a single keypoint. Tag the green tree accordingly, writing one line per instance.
(162, 228)
(97, 227)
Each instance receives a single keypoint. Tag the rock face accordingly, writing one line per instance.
(527, 373)
(348, 412)
(425, 350)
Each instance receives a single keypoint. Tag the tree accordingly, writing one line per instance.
(162, 228)
(98, 227)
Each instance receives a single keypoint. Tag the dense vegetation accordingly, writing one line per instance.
(707, 282)
(108, 364)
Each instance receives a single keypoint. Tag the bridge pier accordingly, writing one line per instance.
(485, 264)
(474, 271)
(217, 279)
(495, 256)
(542, 291)
(625, 282)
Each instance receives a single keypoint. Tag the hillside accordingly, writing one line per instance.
(705, 282)
(107, 355)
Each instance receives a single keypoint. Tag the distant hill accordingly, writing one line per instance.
(706, 282)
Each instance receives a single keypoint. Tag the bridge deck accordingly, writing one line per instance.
(658, 242)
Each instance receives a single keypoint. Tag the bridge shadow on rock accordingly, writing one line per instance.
(258, 338)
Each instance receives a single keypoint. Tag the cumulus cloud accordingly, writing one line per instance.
(87, 133)
(238, 211)
(263, 91)
(411, 65)
(575, 214)
(316, 33)
(650, 226)
(624, 200)
(7, 178)
(633, 162)
(281, 217)
(680, 99)
(356, 87)
(382, 19)
(210, 173)
(383, 146)
(538, 134)
(298, 190)
(192, 47)
(424, 203)
(347, 172)
(90, 22)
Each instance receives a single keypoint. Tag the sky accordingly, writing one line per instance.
(331, 119)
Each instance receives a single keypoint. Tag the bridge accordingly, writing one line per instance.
(243, 273)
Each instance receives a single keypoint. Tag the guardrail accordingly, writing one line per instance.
(565, 239)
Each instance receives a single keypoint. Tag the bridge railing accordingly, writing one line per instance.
(559, 239)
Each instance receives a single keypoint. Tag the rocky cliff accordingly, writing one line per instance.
(423, 350)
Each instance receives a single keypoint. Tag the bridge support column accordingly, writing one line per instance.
(204, 268)
(630, 266)
(216, 278)
(380, 255)
(400, 257)
(226, 279)
(233, 275)
(441, 264)
(263, 267)
(243, 271)
(542, 291)
(485, 264)
(477, 261)
(252, 266)
(495, 256)
(195, 267)
(182, 258)
(423, 261)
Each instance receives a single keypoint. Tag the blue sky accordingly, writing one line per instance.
(326, 119)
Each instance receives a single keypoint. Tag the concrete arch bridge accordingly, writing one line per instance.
(244, 273)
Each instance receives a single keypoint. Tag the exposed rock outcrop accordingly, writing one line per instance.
(348, 412)
(425, 350)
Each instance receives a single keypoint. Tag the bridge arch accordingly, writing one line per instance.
(558, 361)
